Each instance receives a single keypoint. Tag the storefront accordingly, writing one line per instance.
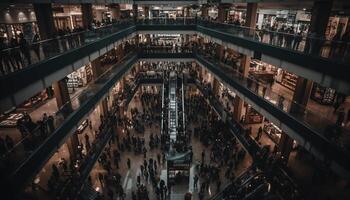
(79, 78)
(262, 71)
(252, 116)
(323, 95)
(67, 16)
(286, 79)
(336, 24)
(178, 169)
(9, 119)
(16, 20)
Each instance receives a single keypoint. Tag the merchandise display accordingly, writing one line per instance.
(322, 94)
(286, 79)
(272, 131)
(262, 71)
(34, 101)
(252, 116)
(10, 121)
(82, 126)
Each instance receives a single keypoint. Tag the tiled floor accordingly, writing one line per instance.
(129, 176)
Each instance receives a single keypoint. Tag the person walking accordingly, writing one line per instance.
(24, 47)
(128, 162)
(195, 181)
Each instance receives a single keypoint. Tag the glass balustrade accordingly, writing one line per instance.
(21, 56)
(338, 50)
(22, 150)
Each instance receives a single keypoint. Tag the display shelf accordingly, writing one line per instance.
(322, 94)
(11, 120)
(288, 80)
(82, 126)
(273, 132)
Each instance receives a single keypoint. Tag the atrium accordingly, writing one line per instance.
(175, 100)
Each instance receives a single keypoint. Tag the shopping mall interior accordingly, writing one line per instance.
(175, 100)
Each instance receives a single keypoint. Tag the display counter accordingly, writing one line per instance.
(273, 132)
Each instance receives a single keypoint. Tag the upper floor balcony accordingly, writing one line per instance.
(24, 65)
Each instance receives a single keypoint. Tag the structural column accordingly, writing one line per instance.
(285, 145)
(216, 87)
(65, 106)
(120, 52)
(222, 12)
(115, 12)
(104, 107)
(73, 143)
(187, 12)
(96, 68)
(321, 11)
(220, 50)
(238, 102)
(62, 96)
(252, 9)
(44, 19)
(146, 11)
(245, 61)
(135, 11)
(204, 11)
(301, 95)
(87, 15)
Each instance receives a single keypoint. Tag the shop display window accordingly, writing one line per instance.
(286, 79)
(82, 126)
(252, 116)
(262, 71)
(35, 101)
(10, 120)
(272, 131)
(322, 94)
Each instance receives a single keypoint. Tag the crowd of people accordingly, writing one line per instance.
(32, 134)
(225, 152)
(20, 51)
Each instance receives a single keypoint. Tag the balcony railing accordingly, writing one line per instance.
(19, 56)
(310, 44)
(25, 164)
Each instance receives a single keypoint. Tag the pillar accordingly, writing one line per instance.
(87, 15)
(220, 50)
(120, 52)
(187, 12)
(146, 11)
(134, 11)
(44, 19)
(245, 64)
(321, 11)
(96, 68)
(216, 87)
(137, 40)
(204, 11)
(238, 102)
(148, 38)
(73, 143)
(115, 12)
(237, 108)
(62, 97)
(222, 12)
(252, 9)
(301, 95)
(104, 107)
(285, 145)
